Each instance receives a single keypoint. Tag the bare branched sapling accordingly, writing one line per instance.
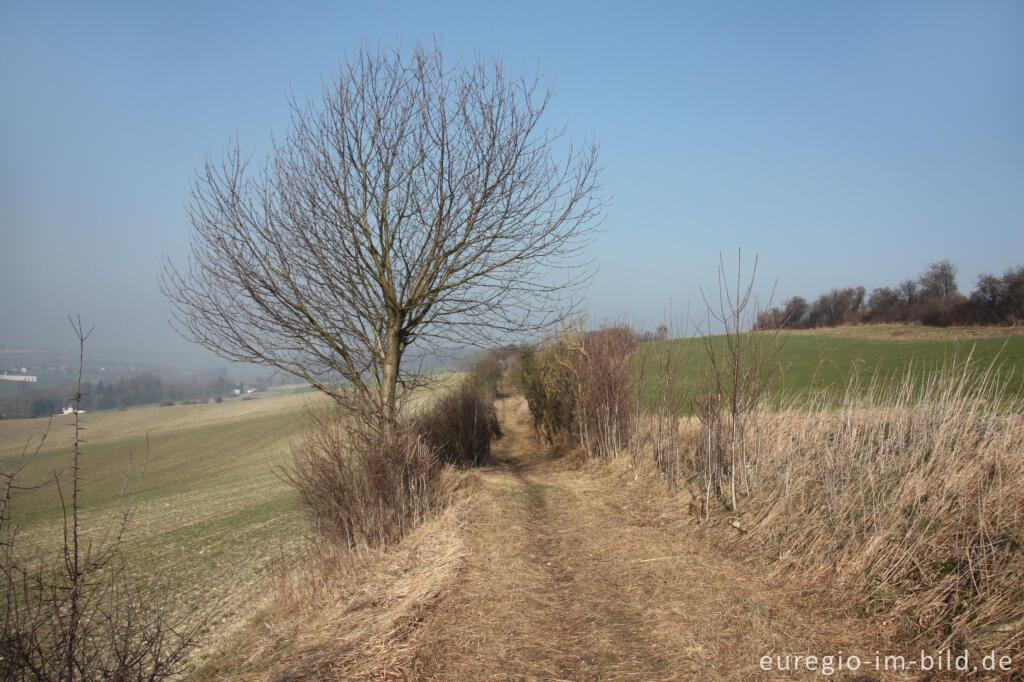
(76, 615)
(740, 375)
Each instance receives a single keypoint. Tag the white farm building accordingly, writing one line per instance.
(17, 377)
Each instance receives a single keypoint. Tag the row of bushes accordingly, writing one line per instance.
(932, 299)
(365, 484)
(579, 389)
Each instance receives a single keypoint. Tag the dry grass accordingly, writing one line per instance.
(911, 332)
(910, 499)
(544, 567)
(343, 615)
(898, 515)
(583, 572)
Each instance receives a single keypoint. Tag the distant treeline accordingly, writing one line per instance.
(932, 299)
(145, 389)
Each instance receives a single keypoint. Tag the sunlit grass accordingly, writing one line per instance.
(813, 361)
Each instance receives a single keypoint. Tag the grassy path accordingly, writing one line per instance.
(581, 575)
(545, 569)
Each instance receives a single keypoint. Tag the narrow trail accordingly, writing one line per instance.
(584, 575)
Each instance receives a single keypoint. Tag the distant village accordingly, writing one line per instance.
(41, 387)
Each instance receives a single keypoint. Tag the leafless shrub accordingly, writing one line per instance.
(547, 382)
(581, 387)
(740, 374)
(665, 361)
(605, 408)
(364, 484)
(367, 483)
(487, 373)
(909, 497)
(76, 615)
(460, 426)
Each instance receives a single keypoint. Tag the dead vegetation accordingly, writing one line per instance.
(386, 500)
(543, 567)
(460, 426)
(910, 499)
(584, 570)
(907, 499)
(364, 484)
(75, 613)
(892, 523)
(897, 515)
(343, 615)
(580, 388)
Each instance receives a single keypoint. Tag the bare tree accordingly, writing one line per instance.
(740, 375)
(939, 280)
(908, 292)
(415, 202)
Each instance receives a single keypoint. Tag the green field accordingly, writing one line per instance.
(822, 359)
(211, 515)
(14, 387)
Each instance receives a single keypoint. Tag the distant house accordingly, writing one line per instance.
(70, 409)
(18, 377)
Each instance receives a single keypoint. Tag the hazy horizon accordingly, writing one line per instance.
(845, 144)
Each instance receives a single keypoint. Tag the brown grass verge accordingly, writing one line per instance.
(911, 499)
(581, 571)
(907, 502)
(343, 615)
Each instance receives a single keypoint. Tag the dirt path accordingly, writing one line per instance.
(583, 575)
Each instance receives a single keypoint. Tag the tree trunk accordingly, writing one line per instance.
(389, 375)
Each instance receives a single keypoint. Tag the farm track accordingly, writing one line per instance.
(581, 574)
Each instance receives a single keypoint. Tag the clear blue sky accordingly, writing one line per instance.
(845, 143)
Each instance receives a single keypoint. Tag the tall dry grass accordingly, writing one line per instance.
(909, 496)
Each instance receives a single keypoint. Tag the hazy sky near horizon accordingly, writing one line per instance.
(845, 143)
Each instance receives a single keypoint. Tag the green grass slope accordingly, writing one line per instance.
(211, 514)
(815, 360)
